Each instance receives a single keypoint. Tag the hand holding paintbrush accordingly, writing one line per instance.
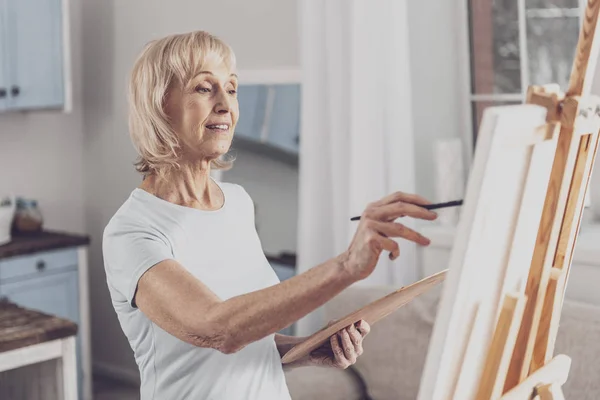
(377, 228)
(436, 206)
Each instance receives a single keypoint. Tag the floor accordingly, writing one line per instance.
(107, 389)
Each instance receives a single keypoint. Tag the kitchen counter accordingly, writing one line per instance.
(21, 327)
(48, 272)
(22, 244)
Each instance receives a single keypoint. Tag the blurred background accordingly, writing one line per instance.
(341, 102)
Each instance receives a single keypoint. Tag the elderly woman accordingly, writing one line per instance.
(190, 284)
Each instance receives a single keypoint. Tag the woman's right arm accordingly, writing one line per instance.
(183, 306)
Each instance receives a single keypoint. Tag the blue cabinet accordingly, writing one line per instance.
(54, 294)
(32, 62)
(47, 282)
(252, 100)
(270, 115)
(284, 119)
(3, 57)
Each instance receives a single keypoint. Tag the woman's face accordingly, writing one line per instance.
(204, 113)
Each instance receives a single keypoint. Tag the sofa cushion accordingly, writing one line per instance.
(309, 383)
(395, 349)
(579, 338)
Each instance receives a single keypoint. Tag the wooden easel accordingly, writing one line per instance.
(520, 363)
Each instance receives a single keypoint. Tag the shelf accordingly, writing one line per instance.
(269, 120)
(265, 149)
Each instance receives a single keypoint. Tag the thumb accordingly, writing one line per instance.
(331, 322)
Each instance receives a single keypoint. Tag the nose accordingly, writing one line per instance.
(223, 104)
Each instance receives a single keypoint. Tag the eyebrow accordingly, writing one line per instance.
(210, 73)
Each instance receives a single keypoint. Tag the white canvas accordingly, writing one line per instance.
(493, 248)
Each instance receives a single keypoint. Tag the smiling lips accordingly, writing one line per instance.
(219, 128)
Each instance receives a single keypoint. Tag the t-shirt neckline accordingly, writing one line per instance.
(157, 199)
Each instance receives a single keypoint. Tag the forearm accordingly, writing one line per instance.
(252, 316)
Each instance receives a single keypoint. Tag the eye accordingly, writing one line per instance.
(232, 91)
(201, 89)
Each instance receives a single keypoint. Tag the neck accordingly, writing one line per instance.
(190, 186)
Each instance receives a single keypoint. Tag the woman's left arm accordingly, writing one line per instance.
(341, 351)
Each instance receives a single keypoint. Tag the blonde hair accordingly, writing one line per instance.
(172, 59)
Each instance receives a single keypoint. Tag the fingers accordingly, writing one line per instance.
(339, 358)
(391, 246)
(331, 322)
(400, 196)
(363, 327)
(400, 206)
(393, 229)
(390, 212)
(356, 338)
(347, 346)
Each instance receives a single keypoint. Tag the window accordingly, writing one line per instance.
(517, 43)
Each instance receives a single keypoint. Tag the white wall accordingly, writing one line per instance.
(40, 152)
(263, 35)
(435, 69)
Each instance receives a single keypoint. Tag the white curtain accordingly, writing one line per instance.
(357, 140)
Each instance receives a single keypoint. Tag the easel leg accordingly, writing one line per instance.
(554, 374)
(501, 348)
(550, 391)
(551, 311)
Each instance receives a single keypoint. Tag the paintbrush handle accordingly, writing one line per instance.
(436, 206)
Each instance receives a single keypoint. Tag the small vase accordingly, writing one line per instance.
(28, 217)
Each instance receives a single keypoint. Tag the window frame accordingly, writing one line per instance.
(466, 56)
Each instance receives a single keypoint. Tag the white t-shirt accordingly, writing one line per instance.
(222, 249)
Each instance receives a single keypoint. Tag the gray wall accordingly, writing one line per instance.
(40, 152)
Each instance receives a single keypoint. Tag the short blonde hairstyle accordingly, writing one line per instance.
(162, 63)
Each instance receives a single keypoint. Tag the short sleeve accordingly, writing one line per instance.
(129, 250)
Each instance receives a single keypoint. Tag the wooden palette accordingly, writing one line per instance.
(370, 313)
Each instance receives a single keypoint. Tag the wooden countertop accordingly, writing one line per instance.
(21, 327)
(22, 244)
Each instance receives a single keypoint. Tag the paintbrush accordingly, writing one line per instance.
(436, 206)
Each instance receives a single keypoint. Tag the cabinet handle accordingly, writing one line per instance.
(2, 93)
(41, 265)
(15, 91)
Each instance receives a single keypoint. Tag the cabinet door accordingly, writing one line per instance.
(35, 54)
(55, 294)
(284, 118)
(252, 101)
(3, 56)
